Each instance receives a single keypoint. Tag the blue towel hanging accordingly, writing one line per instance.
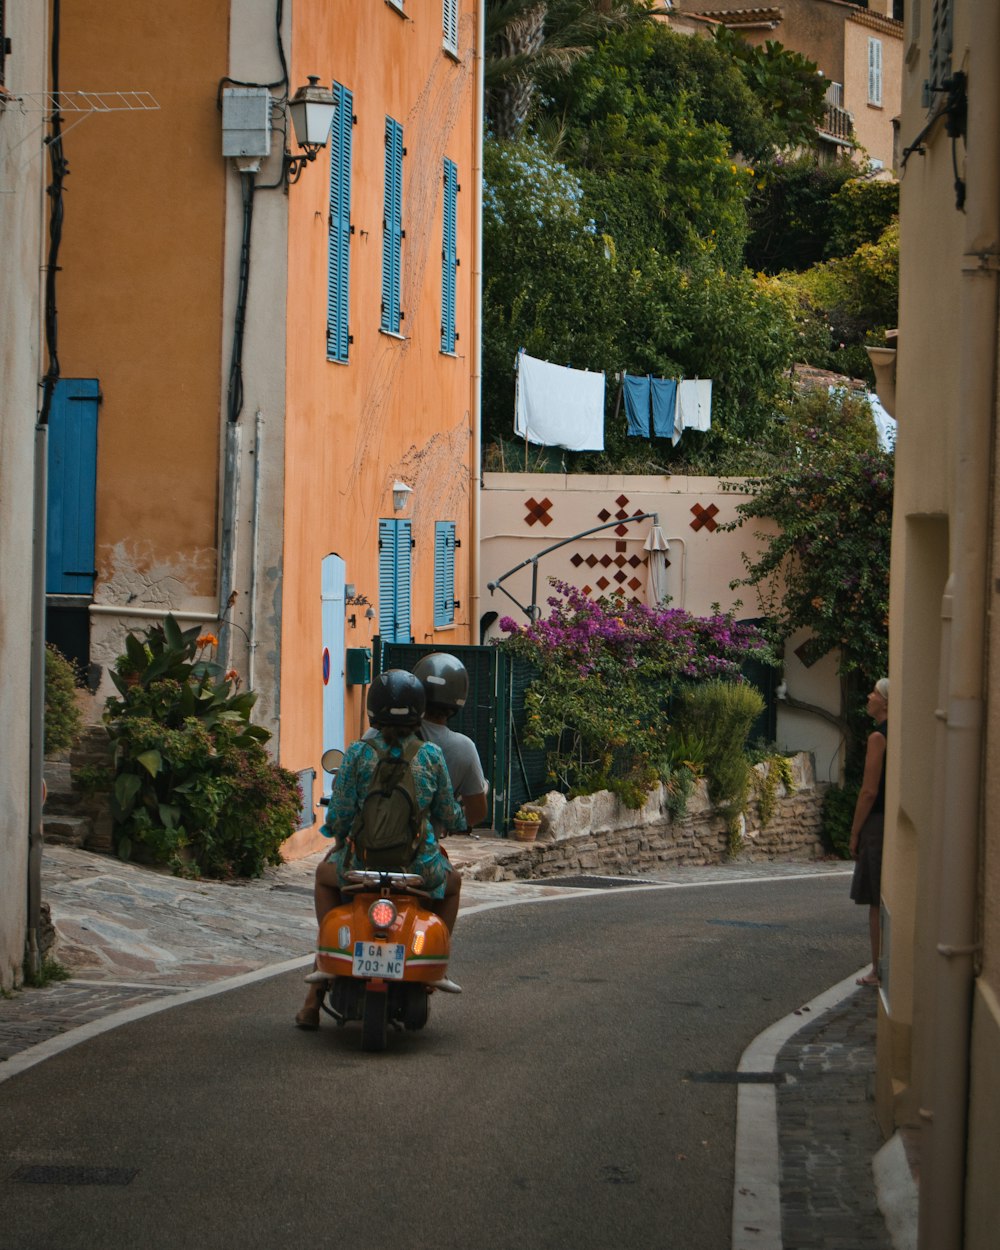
(636, 392)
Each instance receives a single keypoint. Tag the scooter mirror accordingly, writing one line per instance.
(332, 759)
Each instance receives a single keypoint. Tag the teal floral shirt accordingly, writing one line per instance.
(430, 780)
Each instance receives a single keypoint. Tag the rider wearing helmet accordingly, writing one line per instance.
(395, 707)
(446, 687)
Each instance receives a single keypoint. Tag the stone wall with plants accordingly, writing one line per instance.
(597, 833)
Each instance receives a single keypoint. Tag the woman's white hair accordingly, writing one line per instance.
(882, 688)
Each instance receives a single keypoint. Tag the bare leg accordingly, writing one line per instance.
(326, 896)
(447, 907)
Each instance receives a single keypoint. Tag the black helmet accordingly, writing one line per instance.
(395, 697)
(445, 681)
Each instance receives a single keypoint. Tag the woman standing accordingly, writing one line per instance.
(869, 819)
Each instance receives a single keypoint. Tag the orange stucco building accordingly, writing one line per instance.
(263, 351)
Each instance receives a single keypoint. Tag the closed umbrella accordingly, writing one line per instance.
(657, 564)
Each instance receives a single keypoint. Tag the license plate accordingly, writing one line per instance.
(379, 959)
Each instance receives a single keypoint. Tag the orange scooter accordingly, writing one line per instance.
(379, 953)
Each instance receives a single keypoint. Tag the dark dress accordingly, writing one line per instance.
(866, 884)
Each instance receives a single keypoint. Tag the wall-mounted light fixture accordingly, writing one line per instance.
(400, 494)
(312, 110)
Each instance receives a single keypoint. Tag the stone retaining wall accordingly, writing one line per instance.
(599, 834)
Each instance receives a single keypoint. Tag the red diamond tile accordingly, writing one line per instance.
(621, 530)
(605, 561)
(591, 560)
(621, 501)
(603, 583)
(619, 577)
(620, 560)
(576, 560)
(634, 583)
(635, 561)
(604, 515)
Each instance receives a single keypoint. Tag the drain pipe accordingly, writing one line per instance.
(475, 381)
(946, 1098)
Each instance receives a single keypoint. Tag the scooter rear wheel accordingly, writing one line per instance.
(374, 1021)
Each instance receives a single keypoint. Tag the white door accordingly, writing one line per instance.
(333, 658)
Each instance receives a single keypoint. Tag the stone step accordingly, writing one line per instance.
(67, 830)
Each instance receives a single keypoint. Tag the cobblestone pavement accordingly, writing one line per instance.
(827, 1133)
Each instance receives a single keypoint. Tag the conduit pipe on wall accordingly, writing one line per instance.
(476, 401)
(943, 1159)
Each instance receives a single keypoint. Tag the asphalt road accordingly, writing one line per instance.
(579, 1094)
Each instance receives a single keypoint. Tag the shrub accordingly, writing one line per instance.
(635, 656)
(721, 714)
(63, 719)
(838, 816)
(193, 786)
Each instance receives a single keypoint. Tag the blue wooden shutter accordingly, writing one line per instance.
(72, 487)
(449, 256)
(392, 226)
(394, 539)
(450, 24)
(338, 270)
(444, 573)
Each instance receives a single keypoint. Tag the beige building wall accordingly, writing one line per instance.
(873, 105)
(23, 170)
(939, 1017)
(524, 513)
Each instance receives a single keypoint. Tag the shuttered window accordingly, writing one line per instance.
(875, 71)
(444, 573)
(449, 256)
(450, 17)
(338, 338)
(392, 226)
(72, 487)
(942, 13)
(394, 547)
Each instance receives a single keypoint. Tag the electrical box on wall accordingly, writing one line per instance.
(246, 121)
(359, 666)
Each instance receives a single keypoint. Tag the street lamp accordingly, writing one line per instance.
(312, 110)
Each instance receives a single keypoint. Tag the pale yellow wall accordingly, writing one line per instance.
(873, 123)
(23, 167)
(400, 408)
(702, 564)
(932, 542)
(140, 292)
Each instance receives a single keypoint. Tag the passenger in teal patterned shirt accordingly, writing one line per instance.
(395, 708)
(434, 796)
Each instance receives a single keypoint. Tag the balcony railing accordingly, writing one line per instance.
(837, 125)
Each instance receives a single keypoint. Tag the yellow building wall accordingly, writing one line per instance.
(139, 295)
(943, 553)
(873, 122)
(400, 409)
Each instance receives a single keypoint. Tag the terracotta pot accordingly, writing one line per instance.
(526, 830)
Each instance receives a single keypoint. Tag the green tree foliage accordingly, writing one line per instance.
(847, 302)
(533, 42)
(802, 213)
(825, 569)
(787, 84)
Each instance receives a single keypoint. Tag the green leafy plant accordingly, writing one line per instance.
(193, 786)
(48, 973)
(63, 719)
(721, 713)
(777, 772)
(838, 816)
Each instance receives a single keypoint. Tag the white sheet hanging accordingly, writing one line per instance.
(694, 407)
(559, 407)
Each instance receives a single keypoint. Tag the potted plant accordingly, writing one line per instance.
(526, 825)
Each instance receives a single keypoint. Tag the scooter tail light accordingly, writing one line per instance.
(382, 913)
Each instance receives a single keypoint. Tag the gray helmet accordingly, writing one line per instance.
(395, 697)
(445, 681)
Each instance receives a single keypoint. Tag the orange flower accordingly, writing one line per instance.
(206, 640)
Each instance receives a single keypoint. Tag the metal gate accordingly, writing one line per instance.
(493, 717)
